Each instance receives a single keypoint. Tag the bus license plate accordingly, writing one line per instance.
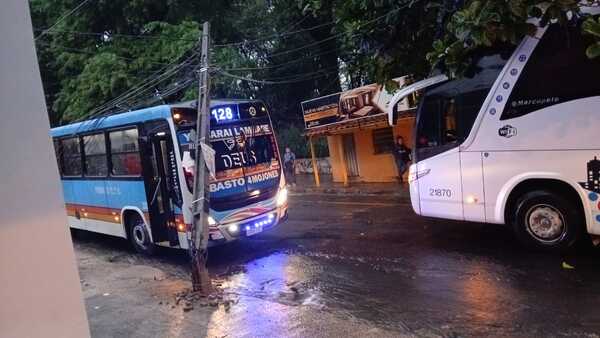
(254, 230)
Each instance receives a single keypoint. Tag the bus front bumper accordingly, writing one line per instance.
(229, 232)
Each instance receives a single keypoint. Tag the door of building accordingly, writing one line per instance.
(350, 155)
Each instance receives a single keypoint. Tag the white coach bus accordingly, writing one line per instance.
(516, 141)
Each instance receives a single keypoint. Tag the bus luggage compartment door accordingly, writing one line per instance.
(440, 190)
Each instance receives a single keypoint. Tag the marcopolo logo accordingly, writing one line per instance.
(507, 131)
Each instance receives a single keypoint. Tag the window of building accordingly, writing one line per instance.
(383, 140)
(71, 157)
(367, 99)
(559, 63)
(124, 153)
(95, 155)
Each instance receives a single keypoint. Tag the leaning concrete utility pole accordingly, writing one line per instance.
(198, 235)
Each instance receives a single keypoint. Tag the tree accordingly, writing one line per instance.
(107, 47)
(592, 26)
(388, 38)
(486, 23)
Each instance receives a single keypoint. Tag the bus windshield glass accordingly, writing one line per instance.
(246, 157)
(245, 149)
(448, 110)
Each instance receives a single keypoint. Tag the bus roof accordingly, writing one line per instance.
(135, 116)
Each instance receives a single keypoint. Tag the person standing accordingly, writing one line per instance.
(288, 166)
(402, 155)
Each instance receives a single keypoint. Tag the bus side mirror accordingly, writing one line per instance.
(394, 115)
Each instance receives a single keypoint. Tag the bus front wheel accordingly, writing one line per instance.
(545, 220)
(139, 236)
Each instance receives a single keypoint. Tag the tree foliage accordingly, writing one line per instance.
(485, 23)
(290, 50)
(109, 47)
(592, 26)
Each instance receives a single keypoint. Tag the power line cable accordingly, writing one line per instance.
(83, 51)
(279, 65)
(145, 36)
(120, 35)
(62, 18)
(275, 36)
(143, 85)
(381, 17)
(169, 89)
(269, 82)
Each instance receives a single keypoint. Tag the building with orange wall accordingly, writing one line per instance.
(359, 139)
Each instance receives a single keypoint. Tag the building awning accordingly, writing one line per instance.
(363, 123)
(364, 111)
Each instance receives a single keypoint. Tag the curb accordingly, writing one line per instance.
(349, 192)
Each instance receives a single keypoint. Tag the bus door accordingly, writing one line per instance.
(438, 157)
(158, 155)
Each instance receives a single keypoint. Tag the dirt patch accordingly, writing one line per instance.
(188, 299)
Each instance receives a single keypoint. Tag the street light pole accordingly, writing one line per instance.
(198, 234)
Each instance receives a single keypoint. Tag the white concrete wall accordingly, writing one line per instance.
(304, 166)
(40, 293)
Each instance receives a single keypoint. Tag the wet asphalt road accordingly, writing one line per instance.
(350, 266)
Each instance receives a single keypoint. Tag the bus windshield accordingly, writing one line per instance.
(246, 157)
(448, 110)
(233, 152)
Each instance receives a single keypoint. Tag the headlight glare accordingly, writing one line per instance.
(282, 197)
(211, 221)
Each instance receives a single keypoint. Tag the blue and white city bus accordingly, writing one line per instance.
(130, 175)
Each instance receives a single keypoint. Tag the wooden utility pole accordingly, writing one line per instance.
(314, 162)
(198, 236)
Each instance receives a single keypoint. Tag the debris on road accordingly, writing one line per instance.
(191, 298)
(567, 266)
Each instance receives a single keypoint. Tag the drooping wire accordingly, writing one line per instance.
(120, 35)
(83, 51)
(273, 82)
(62, 18)
(146, 83)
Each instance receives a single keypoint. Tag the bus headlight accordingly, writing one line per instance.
(282, 197)
(233, 228)
(211, 221)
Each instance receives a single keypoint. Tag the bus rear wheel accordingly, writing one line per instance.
(544, 220)
(139, 236)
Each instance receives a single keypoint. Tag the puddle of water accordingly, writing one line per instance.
(352, 290)
(435, 293)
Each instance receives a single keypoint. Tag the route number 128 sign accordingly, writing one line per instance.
(224, 114)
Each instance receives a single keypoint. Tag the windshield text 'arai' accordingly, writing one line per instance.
(238, 131)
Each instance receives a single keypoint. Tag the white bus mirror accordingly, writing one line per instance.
(392, 110)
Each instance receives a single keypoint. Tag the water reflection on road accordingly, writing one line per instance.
(351, 271)
(430, 294)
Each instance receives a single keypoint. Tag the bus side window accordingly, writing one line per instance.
(124, 153)
(470, 105)
(71, 157)
(94, 152)
(58, 154)
(559, 63)
(447, 119)
(439, 124)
